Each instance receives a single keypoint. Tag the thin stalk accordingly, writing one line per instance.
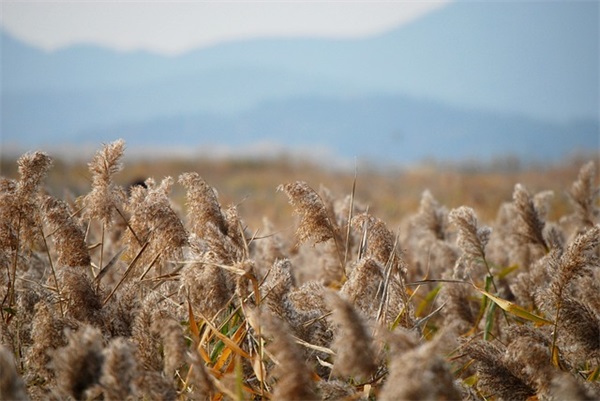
(350, 212)
(102, 246)
(554, 350)
(62, 312)
(128, 226)
(13, 280)
(150, 266)
(129, 268)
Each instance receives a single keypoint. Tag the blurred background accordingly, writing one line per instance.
(240, 90)
(383, 82)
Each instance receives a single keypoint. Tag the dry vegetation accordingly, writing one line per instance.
(117, 294)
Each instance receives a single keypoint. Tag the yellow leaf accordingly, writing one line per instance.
(193, 324)
(236, 339)
(259, 368)
(594, 375)
(514, 309)
(204, 355)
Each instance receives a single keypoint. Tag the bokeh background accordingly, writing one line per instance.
(387, 83)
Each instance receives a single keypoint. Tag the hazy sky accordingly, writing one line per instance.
(174, 27)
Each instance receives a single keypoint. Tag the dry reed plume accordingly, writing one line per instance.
(124, 295)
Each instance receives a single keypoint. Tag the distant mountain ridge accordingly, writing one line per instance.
(383, 129)
(490, 67)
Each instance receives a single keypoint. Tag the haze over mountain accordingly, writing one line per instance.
(473, 79)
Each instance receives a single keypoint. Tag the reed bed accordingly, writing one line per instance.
(124, 294)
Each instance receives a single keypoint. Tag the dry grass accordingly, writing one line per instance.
(380, 289)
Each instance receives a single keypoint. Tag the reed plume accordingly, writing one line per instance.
(12, 386)
(381, 243)
(583, 195)
(353, 344)
(365, 286)
(291, 372)
(432, 217)
(417, 371)
(119, 370)
(47, 334)
(83, 302)
(203, 205)
(205, 283)
(78, 365)
(472, 238)
(105, 197)
(154, 221)
(68, 236)
(496, 376)
(529, 226)
(315, 222)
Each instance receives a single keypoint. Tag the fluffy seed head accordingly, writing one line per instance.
(68, 236)
(529, 225)
(78, 365)
(104, 197)
(353, 344)
(315, 222)
(203, 205)
(472, 239)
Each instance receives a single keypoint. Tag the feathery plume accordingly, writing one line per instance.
(529, 226)
(121, 310)
(206, 285)
(472, 239)
(333, 390)
(495, 376)
(353, 345)
(9, 230)
(432, 217)
(227, 250)
(364, 286)
(203, 205)
(173, 344)
(269, 248)
(82, 300)
(578, 255)
(105, 196)
(11, 384)
(78, 365)
(417, 372)
(19, 207)
(33, 168)
(381, 242)
(155, 222)
(119, 371)
(200, 380)
(47, 333)
(583, 194)
(580, 329)
(68, 236)
(277, 287)
(294, 380)
(315, 222)
(155, 386)
(528, 353)
(309, 297)
(147, 341)
(461, 307)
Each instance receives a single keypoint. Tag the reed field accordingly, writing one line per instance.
(281, 280)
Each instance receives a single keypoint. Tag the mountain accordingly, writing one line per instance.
(383, 129)
(501, 69)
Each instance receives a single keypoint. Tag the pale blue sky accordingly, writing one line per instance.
(175, 27)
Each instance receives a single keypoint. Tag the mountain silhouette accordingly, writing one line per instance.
(505, 75)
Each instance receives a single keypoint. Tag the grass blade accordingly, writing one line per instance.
(513, 308)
